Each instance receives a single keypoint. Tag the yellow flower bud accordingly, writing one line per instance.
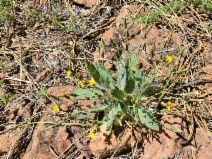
(168, 59)
(169, 105)
(56, 108)
(92, 82)
(92, 135)
(69, 73)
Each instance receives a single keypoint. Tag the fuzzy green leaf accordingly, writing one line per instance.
(139, 79)
(139, 75)
(130, 82)
(153, 89)
(103, 44)
(84, 115)
(123, 60)
(111, 116)
(163, 111)
(105, 77)
(120, 134)
(177, 111)
(133, 62)
(118, 94)
(172, 128)
(99, 108)
(147, 119)
(55, 97)
(121, 77)
(103, 128)
(93, 71)
(131, 69)
(83, 93)
(181, 51)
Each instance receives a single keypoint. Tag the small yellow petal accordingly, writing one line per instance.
(169, 105)
(171, 78)
(168, 59)
(81, 84)
(136, 101)
(56, 108)
(92, 135)
(145, 41)
(184, 110)
(69, 73)
(62, 95)
(134, 69)
(116, 122)
(92, 82)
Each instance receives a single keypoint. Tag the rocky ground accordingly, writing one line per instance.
(37, 57)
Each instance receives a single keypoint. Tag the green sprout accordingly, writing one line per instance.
(42, 93)
(2, 65)
(4, 99)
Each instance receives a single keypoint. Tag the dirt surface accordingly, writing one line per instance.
(37, 57)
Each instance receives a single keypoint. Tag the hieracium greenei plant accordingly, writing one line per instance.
(124, 97)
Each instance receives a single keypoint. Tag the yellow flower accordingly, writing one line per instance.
(92, 135)
(116, 122)
(81, 84)
(171, 78)
(62, 95)
(183, 80)
(145, 41)
(136, 101)
(169, 105)
(56, 108)
(69, 73)
(184, 110)
(92, 82)
(168, 59)
(134, 69)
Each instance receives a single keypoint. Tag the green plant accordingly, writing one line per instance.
(121, 96)
(2, 65)
(206, 4)
(4, 99)
(124, 95)
(5, 11)
(172, 7)
(33, 14)
(42, 93)
(75, 23)
(55, 21)
(1, 83)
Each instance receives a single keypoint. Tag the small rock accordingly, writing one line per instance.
(24, 111)
(7, 140)
(43, 75)
(165, 144)
(86, 3)
(104, 146)
(45, 136)
(60, 91)
(203, 144)
(64, 107)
